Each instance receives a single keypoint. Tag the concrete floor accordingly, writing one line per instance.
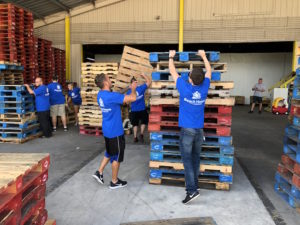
(258, 144)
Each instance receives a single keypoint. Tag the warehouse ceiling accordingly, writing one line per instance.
(43, 8)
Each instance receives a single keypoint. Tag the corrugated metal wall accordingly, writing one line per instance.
(156, 21)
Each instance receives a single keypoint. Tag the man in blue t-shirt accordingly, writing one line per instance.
(138, 109)
(193, 94)
(112, 128)
(75, 97)
(42, 104)
(57, 102)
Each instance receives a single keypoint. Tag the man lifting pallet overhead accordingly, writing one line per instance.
(193, 94)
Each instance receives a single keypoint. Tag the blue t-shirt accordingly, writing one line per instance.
(56, 95)
(192, 103)
(110, 104)
(42, 101)
(75, 96)
(139, 103)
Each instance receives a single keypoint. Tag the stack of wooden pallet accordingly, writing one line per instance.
(18, 122)
(23, 188)
(90, 116)
(217, 150)
(60, 65)
(287, 178)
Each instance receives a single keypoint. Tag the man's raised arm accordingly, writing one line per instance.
(172, 67)
(202, 54)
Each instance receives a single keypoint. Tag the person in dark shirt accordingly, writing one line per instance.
(112, 128)
(57, 103)
(75, 98)
(42, 103)
(192, 97)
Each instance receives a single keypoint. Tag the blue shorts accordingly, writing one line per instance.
(111, 157)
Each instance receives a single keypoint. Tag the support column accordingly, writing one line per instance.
(181, 19)
(68, 48)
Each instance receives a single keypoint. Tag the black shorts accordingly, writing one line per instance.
(115, 148)
(136, 117)
(257, 99)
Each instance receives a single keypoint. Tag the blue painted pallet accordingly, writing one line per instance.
(293, 131)
(17, 110)
(206, 158)
(22, 98)
(170, 136)
(12, 88)
(183, 56)
(285, 193)
(16, 105)
(297, 82)
(296, 93)
(291, 147)
(8, 125)
(296, 121)
(216, 176)
(298, 70)
(287, 185)
(165, 75)
(19, 135)
(10, 67)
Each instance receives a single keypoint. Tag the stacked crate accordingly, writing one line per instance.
(18, 122)
(90, 116)
(11, 74)
(287, 178)
(45, 60)
(60, 65)
(23, 188)
(217, 150)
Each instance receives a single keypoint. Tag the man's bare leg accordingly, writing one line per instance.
(64, 121)
(115, 170)
(54, 120)
(143, 127)
(135, 129)
(103, 164)
(252, 107)
(260, 106)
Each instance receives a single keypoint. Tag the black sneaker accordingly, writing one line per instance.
(54, 129)
(191, 197)
(136, 140)
(65, 129)
(142, 138)
(250, 111)
(99, 177)
(259, 112)
(119, 184)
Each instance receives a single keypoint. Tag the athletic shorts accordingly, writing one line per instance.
(115, 148)
(257, 99)
(136, 117)
(58, 110)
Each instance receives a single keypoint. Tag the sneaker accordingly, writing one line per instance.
(54, 129)
(142, 138)
(119, 184)
(99, 177)
(191, 197)
(136, 140)
(259, 112)
(250, 111)
(76, 124)
(65, 129)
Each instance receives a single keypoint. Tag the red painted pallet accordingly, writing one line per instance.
(217, 130)
(226, 110)
(217, 119)
(164, 108)
(290, 170)
(90, 130)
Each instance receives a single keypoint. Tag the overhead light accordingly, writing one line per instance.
(91, 59)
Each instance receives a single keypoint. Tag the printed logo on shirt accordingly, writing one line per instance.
(58, 87)
(73, 94)
(47, 92)
(138, 96)
(101, 103)
(196, 95)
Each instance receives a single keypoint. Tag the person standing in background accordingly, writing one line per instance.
(75, 98)
(138, 108)
(258, 89)
(42, 103)
(57, 102)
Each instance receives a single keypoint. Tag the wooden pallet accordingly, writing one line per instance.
(21, 141)
(216, 66)
(133, 63)
(215, 85)
(179, 166)
(209, 101)
(186, 221)
(50, 222)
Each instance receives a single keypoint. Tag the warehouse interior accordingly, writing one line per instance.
(253, 39)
